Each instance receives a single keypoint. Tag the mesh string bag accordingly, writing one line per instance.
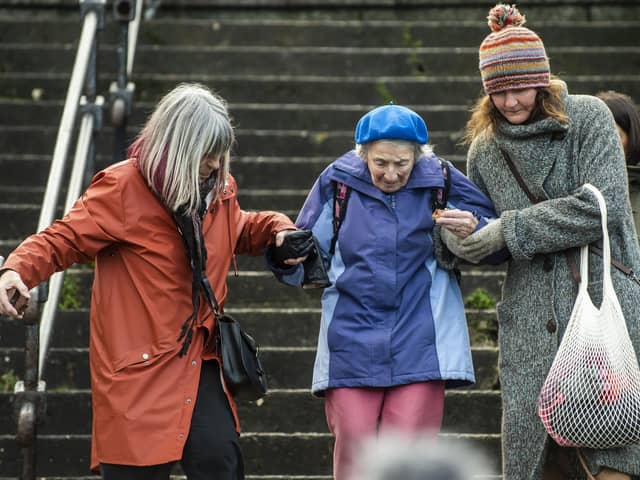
(591, 396)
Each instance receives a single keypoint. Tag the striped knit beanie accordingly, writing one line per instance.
(512, 56)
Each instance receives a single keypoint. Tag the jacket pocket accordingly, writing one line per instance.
(143, 356)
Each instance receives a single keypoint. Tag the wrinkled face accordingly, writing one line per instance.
(390, 164)
(208, 165)
(624, 139)
(515, 105)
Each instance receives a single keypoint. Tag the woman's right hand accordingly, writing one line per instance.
(14, 294)
(461, 223)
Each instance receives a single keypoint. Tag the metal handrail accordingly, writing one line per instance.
(85, 58)
(83, 74)
(134, 27)
(90, 121)
(30, 401)
(80, 66)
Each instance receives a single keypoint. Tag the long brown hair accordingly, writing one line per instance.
(485, 116)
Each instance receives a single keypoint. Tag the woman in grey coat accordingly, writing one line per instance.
(558, 142)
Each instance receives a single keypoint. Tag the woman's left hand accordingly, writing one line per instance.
(459, 222)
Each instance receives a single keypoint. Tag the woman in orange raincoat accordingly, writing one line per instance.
(157, 391)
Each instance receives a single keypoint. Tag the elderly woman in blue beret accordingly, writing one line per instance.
(393, 331)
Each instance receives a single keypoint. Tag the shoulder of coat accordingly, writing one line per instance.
(585, 105)
(483, 144)
(230, 188)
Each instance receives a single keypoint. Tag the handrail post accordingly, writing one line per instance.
(121, 91)
(30, 397)
(91, 78)
(30, 401)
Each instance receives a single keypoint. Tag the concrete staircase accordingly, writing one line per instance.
(297, 76)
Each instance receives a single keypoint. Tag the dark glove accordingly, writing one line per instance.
(315, 273)
(295, 245)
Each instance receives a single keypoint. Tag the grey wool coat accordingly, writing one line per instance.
(539, 291)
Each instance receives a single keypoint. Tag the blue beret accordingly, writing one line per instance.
(391, 122)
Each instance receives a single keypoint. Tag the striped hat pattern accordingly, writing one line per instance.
(512, 56)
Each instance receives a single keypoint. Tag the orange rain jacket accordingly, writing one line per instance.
(143, 393)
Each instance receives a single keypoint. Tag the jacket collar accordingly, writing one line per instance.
(351, 170)
(540, 141)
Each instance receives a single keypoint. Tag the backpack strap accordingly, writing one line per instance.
(340, 198)
(439, 198)
(439, 195)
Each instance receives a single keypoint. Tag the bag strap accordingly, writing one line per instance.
(516, 174)
(584, 465)
(439, 195)
(606, 246)
(535, 199)
(623, 268)
(340, 199)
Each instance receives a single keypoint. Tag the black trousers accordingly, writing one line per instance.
(212, 451)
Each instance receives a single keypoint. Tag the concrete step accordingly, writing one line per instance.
(351, 90)
(260, 289)
(20, 220)
(275, 60)
(356, 9)
(264, 454)
(293, 33)
(251, 199)
(257, 264)
(283, 411)
(24, 176)
(290, 116)
(287, 367)
(40, 140)
(273, 327)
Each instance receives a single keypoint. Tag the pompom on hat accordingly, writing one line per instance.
(512, 56)
(391, 122)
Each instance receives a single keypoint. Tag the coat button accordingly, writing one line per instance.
(188, 401)
(547, 266)
(145, 356)
(551, 326)
(194, 363)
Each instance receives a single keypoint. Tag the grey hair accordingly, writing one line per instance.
(362, 149)
(395, 456)
(189, 123)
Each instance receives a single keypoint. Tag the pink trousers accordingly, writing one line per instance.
(354, 414)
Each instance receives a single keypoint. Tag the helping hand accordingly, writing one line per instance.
(459, 222)
(300, 244)
(14, 295)
(452, 241)
(482, 243)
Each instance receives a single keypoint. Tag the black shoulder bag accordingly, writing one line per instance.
(242, 369)
(243, 372)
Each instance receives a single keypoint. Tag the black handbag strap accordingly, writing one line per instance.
(570, 259)
(516, 174)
